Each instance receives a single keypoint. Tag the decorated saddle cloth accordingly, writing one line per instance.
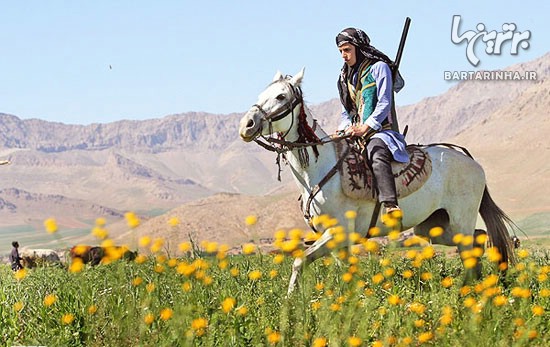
(358, 180)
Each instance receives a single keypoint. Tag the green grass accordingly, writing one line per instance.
(368, 299)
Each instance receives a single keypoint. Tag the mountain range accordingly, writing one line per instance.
(195, 167)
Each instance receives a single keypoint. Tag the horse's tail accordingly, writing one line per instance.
(496, 220)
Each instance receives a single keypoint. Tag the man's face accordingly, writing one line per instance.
(347, 50)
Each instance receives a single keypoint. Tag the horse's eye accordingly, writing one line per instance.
(280, 97)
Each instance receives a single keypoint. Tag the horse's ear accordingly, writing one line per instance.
(278, 76)
(296, 80)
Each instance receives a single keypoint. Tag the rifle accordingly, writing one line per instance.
(395, 69)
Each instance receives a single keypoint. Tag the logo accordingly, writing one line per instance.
(493, 40)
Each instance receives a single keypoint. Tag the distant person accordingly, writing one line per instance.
(15, 259)
(365, 86)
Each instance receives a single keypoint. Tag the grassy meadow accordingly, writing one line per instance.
(361, 295)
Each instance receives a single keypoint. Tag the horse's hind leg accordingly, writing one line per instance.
(316, 251)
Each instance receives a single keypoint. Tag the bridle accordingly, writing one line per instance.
(279, 144)
(277, 115)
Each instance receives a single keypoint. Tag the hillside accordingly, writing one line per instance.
(195, 161)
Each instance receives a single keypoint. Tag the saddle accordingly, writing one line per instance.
(358, 180)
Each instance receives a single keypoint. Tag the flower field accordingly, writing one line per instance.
(361, 295)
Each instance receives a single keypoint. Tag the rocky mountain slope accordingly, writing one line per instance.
(157, 165)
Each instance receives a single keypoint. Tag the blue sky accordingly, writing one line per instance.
(172, 57)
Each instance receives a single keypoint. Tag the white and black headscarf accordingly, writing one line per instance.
(364, 50)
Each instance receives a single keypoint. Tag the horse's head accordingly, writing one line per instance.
(274, 110)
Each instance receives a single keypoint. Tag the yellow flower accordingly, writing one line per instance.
(184, 246)
(537, 310)
(519, 322)
(389, 272)
(150, 287)
(446, 319)
(378, 278)
(334, 307)
(199, 325)
(394, 235)
(319, 342)
(149, 318)
(351, 214)
(137, 281)
(278, 259)
(173, 222)
(255, 275)
(51, 225)
(500, 300)
(426, 276)
(371, 246)
(20, 274)
(166, 314)
(100, 222)
(377, 343)
(157, 245)
(228, 304)
(428, 252)
(354, 341)
(419, 323)
(242, 311)
(447, 282)
(374, 231)
(18, 306)
(532, 334)
(470, 263)
(435, 232)
(394, 300)
(234, 271)
(274, 337)
(493, 254)
(76, 265)
(407, 340)
(251, 220)
(273, 274)
(249, 248)
(92, 309)
(144, 241)
(467, 240)
(417, 308)
(407, 274)
(469, 302)
(100, 233)
(140, 259)
(458, 238)
(523, 253)
(187, 286)
(425, 337)
(481, 239)
(316, 305)
(50, 299)
(67, 318)
(347, 277)
(131, 219)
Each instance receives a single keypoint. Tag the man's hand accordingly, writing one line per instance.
(357, 130)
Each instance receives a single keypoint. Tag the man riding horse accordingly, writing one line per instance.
(366, 90)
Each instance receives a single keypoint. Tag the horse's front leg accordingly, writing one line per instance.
(316, 251)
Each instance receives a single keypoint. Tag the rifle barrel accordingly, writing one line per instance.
(402, 42)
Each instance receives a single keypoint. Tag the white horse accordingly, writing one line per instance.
(450, 198)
